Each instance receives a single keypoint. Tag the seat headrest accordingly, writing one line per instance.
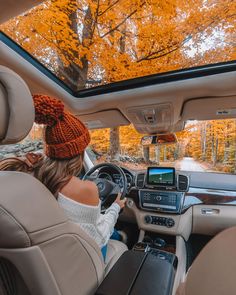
(26, 207)
(16, 107)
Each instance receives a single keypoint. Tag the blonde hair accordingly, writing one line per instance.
(53, 173)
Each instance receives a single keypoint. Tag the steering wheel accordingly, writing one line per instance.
(108, 190)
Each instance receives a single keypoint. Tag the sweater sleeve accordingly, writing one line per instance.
(107, 221)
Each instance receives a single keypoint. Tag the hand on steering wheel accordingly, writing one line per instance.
(120, 202)
(108, 190)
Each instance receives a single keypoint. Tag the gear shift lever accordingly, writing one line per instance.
(160, 243)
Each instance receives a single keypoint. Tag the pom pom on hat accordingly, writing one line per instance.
(48, 111)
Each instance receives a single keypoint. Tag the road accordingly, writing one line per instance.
(189, 164)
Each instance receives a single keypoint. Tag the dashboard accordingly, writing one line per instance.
(162, 189)
(178, 202)
(112, 175)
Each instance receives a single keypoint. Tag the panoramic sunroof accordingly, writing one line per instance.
(87, 44)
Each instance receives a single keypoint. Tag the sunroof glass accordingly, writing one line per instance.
(92, 43)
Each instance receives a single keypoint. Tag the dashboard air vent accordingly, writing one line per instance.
(140, 180)
(182, 183)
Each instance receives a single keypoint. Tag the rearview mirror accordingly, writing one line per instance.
(159, 139)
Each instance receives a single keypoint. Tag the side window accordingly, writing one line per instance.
(32, 143)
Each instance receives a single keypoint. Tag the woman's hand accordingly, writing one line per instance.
(120, 202)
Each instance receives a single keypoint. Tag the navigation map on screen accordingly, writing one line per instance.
(161, 176)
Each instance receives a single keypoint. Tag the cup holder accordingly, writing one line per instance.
(148, 240)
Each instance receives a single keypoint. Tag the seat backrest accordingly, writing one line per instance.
(213, 271)
(41, 251)
(53, 255)
(16, 107)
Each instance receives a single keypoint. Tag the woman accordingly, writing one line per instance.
(65, 139)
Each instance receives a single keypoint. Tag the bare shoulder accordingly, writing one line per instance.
(82, 191)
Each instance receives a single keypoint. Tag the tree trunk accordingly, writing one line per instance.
(165, 150)
(226, 146)
(114, 150)
(114, 132)
(214, 147)
(203, 141)
(157, 154)
(176, 152)
(77, 76)
(146, 154)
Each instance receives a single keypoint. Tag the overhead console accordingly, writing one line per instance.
(151, 119)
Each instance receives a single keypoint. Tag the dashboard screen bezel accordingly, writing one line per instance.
(161, 184)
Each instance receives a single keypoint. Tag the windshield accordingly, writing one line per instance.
(89, 43)
(208, 146)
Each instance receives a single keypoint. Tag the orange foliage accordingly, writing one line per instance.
(87, 43)
(212, 142)
(92, 42)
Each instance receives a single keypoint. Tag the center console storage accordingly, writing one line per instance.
(159, 241)
(138, 273)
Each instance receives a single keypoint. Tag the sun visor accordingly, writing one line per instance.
(209, 108)
(106, 119)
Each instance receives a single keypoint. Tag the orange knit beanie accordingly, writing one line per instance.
(65, 135)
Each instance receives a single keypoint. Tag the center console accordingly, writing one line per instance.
(138, 273)
(162, 190)
(161, 246)
(152, 266)
(159, 196)
(161, 201)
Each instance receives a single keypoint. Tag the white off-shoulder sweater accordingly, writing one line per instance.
(98, 226)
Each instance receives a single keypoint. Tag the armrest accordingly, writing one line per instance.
(137, 273)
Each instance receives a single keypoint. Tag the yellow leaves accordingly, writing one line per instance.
(120, 39)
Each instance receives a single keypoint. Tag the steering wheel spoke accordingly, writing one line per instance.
(90, 177)
(108, 190)
(116, 190)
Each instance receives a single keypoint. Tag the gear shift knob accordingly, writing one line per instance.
(158, 242)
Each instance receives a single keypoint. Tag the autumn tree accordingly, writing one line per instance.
(88, 43)
(94, 42)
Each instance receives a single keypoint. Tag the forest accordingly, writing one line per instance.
(210, 143)
(88, 43)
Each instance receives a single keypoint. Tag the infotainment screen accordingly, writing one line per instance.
(161, 176)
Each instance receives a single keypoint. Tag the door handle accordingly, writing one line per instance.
(210, 211)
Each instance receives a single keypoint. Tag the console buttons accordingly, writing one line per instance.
(157, 220)
(148, 219)
(170, 222)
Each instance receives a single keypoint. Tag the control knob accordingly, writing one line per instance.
(148, 219)
(170, 222)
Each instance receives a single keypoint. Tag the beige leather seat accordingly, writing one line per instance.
(41, 251)
(213, 271)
